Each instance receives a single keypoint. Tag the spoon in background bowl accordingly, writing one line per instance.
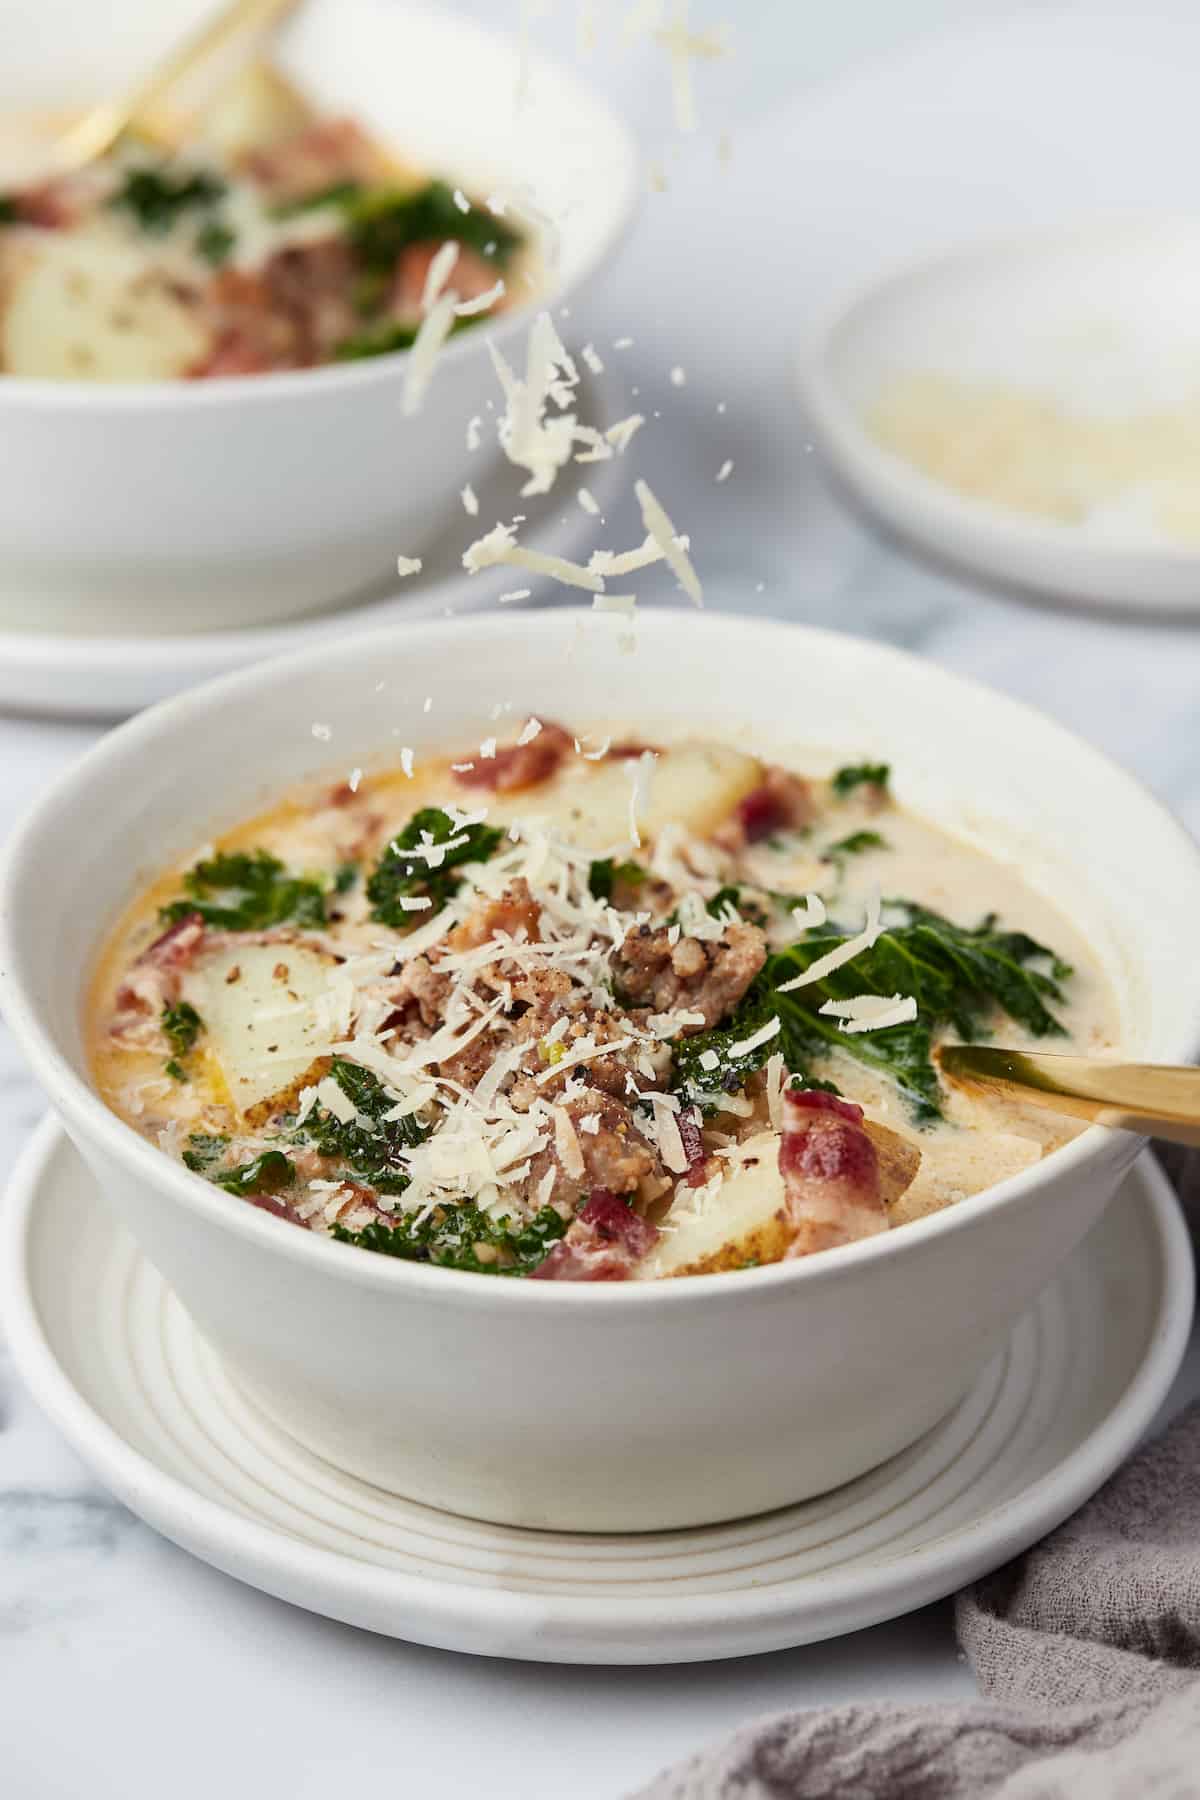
(91, 136)
(1158, 1100)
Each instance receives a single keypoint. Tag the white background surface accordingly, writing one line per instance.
(126, 1669)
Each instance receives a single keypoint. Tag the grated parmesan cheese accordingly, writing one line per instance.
(408, 565)
(757, 1038)
(438, 273)
(836, 959)
(434, 330)
(663, 532)
(467, 309)
(872, 1012)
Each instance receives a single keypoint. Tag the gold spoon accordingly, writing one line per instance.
(100, 127)
(1156, 1099)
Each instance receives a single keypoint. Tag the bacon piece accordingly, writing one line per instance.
(52, 205)
(782, 802)
(519, 765)
(830, 1172)
(314, 158)
(604, 1241)
(279, 1209)
(157, 974)
(629, 747)
(688, 1121)
(470, 277)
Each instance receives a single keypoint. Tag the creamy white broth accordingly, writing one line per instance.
(975, 1144)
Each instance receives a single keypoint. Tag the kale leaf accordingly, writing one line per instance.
(265, 1175)
(337, 193)
(860, 775)
(959, 977)
(382, 340)
(247, 891)
(214, 242)
(205, 1150)
(8, 209)
(366, 1152)
(376, 340)
(605, 872)
(452, 1237)
(400, 874)
(381, 222)
(156, 198)
(181, 1026)
(854, 845)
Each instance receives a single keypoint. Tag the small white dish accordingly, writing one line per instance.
(241, 501)
(122, 1371)
(1099, 321)
(73, 676)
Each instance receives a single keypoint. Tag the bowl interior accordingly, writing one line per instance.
(985, 767)
(433, 85)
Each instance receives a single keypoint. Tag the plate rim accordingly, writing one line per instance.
(589, 1628)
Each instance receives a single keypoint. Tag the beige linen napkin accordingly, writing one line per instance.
(1087, 1650)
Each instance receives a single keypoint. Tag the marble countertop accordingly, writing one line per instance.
(127, 1666)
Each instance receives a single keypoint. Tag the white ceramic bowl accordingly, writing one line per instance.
(621, 1407)
(1099, 320)
(196, 505)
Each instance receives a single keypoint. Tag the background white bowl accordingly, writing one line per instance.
(624, 1407)
(1102, 320)
(196, 505)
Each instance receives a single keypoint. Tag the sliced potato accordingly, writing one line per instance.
(746, 1220)
(256, 108)
(269, 1012)
(81, 310)
(693, 785)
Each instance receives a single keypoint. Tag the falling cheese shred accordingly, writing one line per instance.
(663, 533)
(434, 329)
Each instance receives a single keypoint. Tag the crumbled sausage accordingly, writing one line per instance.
(692, 974)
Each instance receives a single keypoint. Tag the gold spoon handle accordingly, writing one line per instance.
(1160, 1101)
(100, 127)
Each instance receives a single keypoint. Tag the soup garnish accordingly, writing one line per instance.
(588, 1016)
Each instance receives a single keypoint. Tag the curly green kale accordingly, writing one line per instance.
(369, 1147)
(453, 1237)
(406, 871)
(860, 775)
(247, 891)
(960, 978)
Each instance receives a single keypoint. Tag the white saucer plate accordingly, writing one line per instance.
(110, 677)
(117, 1364)
(1097, 321)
